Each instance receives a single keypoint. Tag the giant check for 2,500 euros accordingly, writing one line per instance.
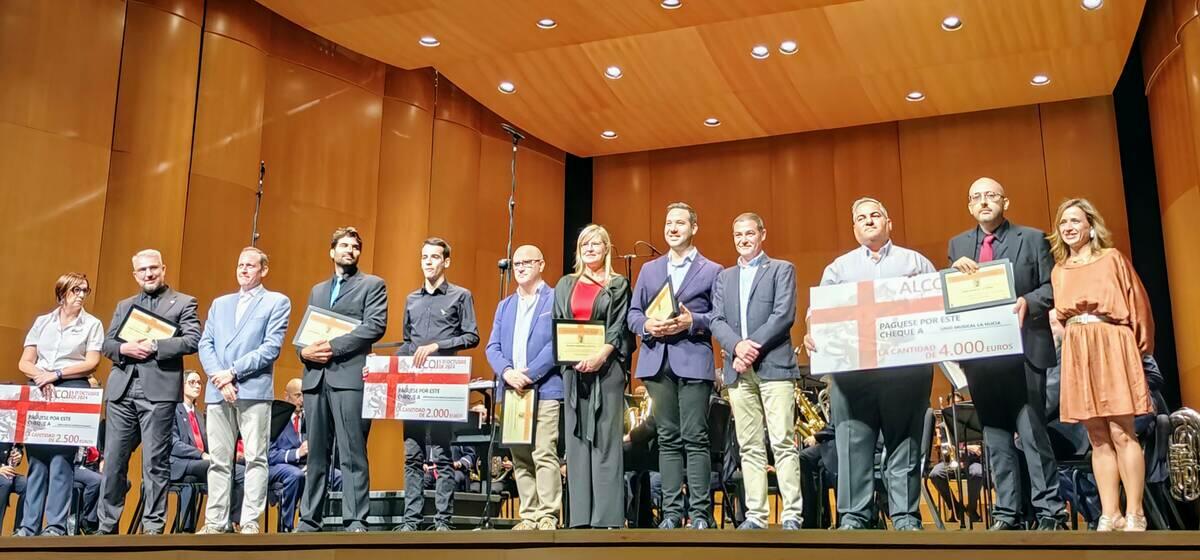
(894, 322)
(71, 418)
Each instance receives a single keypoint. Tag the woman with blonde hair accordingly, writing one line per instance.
(594, 388)
(61, 350)
(1098, 295)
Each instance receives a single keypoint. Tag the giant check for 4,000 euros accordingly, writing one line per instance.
(899, 322)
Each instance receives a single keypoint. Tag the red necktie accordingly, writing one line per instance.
(296, 424)
(985, 252)
(196, 430)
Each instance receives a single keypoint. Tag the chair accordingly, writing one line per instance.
(274, 499)
(191, 483)
(926, 452)
(720, 422)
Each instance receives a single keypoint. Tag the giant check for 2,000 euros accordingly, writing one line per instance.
(437, 391)
(894, 322)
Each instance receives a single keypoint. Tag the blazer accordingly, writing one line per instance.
(250, 347)
(770, 314)
(539, 345)
(284, 450)
(162, 372)
(691, 354)
(363, 297)
(183, 445)
(1029, 253)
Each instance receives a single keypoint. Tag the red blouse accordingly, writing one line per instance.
(583, 297)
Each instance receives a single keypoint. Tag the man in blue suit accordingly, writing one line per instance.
(676, 364)
(238, 349)
(288, 459)
(521, 353)
(190, 459)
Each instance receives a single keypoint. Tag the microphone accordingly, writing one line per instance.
(654, 252)
(516, 134)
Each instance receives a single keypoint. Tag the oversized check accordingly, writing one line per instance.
(437, 391)
(899, 322)
(72, 417)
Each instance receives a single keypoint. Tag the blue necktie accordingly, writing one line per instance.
(337, 287)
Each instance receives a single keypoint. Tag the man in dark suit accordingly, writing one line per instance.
(333, 384)
(675, 362)
(754, 309)
(1010, 391)
(190, 459)
(10, 481)
(288, 458)
(145, 384)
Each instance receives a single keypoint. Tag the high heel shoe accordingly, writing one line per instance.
(1135, 523)
(1107, 523)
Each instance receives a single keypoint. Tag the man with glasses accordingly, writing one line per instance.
(1010, 391)
(145, 384)
(520, 351)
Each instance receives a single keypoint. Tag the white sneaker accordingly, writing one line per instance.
(210, 530)
(250, 528)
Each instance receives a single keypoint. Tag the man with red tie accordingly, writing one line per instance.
(1010, 391)
(189, 452)
(288, 458)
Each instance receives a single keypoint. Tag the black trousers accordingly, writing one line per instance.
(428, 442)
(680, 408)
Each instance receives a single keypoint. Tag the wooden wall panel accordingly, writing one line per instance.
(621, 202)
(56, 116)
(867, 163)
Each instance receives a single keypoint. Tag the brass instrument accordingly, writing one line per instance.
(810, 420)
(1183, 458)
(640, 409)
(945, 443)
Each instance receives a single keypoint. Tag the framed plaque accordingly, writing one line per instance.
(576, 340)
(142, 324)
(322, 324)
(990, 286)
(664, 305)
(518, 417)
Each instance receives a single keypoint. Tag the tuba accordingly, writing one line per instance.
(810, 420)
(1183, 459)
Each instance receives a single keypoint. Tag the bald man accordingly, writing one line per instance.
(288, 459)
(521, 353)
(1010, 391)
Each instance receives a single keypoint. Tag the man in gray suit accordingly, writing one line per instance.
(887, 401)
(754, 308)
(1010, 391)
(333, 384)
(144, 385)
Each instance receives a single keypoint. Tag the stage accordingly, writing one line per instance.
(623, 545)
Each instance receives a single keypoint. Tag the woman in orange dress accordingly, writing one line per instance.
(1099, 297)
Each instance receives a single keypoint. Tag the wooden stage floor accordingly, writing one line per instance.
(640, 544)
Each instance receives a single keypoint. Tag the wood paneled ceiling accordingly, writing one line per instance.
(856, 60)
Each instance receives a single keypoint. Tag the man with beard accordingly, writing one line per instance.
(333, 384)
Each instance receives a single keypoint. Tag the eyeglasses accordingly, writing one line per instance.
(193, 382)
(592, 245)
(527, 264)
(80, 291)
(990, 196)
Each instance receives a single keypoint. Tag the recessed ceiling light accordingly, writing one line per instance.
(1092, 4)
(712, 121)
(952, 23)
(1039, 80)
(547, 23)
(613, 72)
(915, 96)
(788, 47)
(608, 134)
(507, 87)
(429, 41)
(671, 4)
(760, 52)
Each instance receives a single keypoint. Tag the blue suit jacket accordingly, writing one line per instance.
(691, 352)
(284, 448)
(539, 347)
(250, 348)
(183, 445)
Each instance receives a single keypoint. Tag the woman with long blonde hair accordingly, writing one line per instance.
(1101, 301)
(594, 388)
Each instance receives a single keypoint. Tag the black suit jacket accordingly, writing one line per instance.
(183, 445)
(1029, 252)
(161, 372)
(363, 297)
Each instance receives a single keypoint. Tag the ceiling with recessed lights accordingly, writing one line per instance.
(659, 74)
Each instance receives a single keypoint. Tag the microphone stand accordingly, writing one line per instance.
(503, 265)
(262, 172)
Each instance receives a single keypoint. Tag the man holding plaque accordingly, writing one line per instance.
(439, 320)
(333, 383)
(670, 311)
(149, 335)
(238, 349)
(891, 401)
(1010, 391)
(521, 353)
(754, 308)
